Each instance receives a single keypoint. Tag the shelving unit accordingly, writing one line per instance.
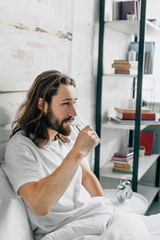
(140, 165)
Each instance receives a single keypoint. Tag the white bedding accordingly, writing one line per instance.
(123, 226)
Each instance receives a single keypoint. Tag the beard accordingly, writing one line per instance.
(53, 123)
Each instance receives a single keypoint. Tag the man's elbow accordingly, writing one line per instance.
(39, 210)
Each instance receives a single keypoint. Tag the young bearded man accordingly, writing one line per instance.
(63, 198)
(45, 168)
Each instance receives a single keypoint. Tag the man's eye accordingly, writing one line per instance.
(66, 103)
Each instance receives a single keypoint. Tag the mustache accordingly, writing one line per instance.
(68, 119)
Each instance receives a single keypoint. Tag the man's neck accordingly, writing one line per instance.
(52, 135)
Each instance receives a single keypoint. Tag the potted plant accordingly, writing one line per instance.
(130, 16)
(142, 150)
(144, 103)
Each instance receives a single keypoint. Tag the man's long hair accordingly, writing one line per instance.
(29, 118)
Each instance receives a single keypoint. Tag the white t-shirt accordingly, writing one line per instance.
(25, 162)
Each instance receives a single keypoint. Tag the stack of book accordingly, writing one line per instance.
(125, 67)
(127, 116)
(123, 161)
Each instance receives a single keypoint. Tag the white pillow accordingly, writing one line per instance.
(14, 224)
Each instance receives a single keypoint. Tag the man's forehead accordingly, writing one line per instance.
(66, 93)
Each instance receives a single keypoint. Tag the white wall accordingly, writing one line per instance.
(41, 35)
(34, 35)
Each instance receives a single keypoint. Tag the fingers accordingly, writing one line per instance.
(86, 140)
(89, 130)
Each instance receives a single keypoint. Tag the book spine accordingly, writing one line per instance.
(131, 110)
(122, 165)
(120, 65)
(123, 155)
(129, 162)
(121, 170)
(147, 140)
(131, 116)
(122, 71)
(121, 62)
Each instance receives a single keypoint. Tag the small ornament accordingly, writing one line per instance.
(124, 191)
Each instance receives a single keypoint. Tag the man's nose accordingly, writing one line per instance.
(73, 112)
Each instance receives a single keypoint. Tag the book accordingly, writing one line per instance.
(122, 170)
(129, 71)
(131, 116)
(122, 159)
(130, 162)
(154, 145)
(126, 62)
(121, 61)
(131, 110)
(128, 6)
(149, 57)
(122, 68)
(119, 165)
(147, 140)
(138, 9)
(124, 153)
(120, 65)
(147, 62)
(127, 121)
(149, 47)
(125, 66)
(122, 71)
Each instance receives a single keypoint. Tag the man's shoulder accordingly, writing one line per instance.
(19, 138)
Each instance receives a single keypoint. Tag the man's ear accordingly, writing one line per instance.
(40, 104)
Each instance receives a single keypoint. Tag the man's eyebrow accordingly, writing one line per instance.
(69, 99)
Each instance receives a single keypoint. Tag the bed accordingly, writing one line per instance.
(14, 223)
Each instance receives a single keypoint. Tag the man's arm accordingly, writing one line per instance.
(90, 182)
(42, 195)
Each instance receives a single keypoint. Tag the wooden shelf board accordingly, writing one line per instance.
(144, 165)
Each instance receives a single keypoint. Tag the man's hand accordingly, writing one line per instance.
(87, 139)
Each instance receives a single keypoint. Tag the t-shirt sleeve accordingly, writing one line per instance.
(21, 166)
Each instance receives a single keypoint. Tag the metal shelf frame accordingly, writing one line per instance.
(139, 90)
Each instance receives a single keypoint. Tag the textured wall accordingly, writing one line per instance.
(35, 36)
(38, 35)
